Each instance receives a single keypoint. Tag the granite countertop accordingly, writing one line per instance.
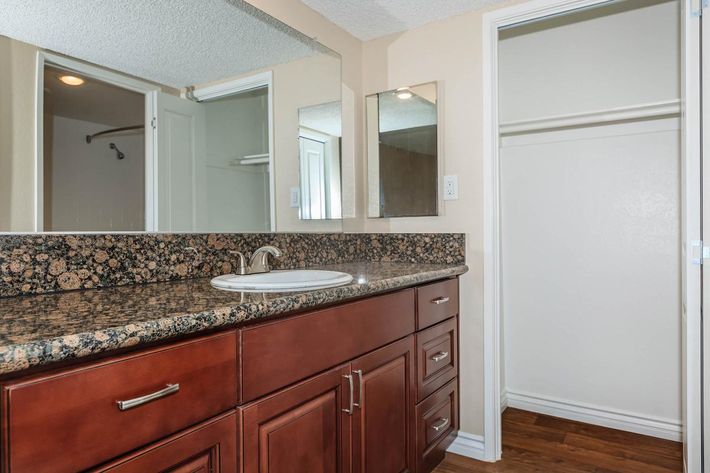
(41, 329)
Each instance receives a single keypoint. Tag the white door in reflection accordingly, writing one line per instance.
(180, 176)
(313, 182)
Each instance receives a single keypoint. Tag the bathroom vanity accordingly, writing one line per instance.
(363, 380)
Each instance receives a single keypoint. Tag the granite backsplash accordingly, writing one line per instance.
(33, 264)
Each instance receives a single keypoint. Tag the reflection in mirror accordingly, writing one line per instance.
(319, 138)
(198, 141)
(402, 152)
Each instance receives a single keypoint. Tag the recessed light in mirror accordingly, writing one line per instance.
(404, 93)
(71, 80)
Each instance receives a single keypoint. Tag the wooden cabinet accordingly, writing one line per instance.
(437, 302)
(382, 417)
(302, 429)
(276, 354)
(436, 426)
(210, 447)
(357, 417)
(437, 357)
(363, 387)
(71, 420)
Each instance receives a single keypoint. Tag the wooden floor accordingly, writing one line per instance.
(539, 443)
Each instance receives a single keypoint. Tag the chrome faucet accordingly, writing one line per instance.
(259, 261)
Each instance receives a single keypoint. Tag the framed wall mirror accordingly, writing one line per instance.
(168, 117)
(403, 152)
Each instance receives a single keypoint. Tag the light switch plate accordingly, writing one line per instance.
(295, 197)
(451, 187)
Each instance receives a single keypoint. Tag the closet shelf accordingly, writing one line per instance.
(645, 111)
(251, 159)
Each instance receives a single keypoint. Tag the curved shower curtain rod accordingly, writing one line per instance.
(89, 138)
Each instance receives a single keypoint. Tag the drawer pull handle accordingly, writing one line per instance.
(440, 300)
(442, 423)
(440, 356)
(139, 401)
(350, 410)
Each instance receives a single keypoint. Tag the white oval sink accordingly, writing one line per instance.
(282, 281)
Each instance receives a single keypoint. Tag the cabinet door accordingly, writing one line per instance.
(301, 429)
(210, 447)
(382, 421)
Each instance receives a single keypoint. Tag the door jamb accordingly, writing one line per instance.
(94, 72)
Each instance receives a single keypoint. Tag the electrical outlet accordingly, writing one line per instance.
(295, 200)
(451, 187)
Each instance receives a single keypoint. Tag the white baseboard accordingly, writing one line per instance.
(468, 445)
(503, 400)
(612, 418)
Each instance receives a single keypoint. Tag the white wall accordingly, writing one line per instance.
(591, 217)
(92, 190)
(237, 196)
(584, 62)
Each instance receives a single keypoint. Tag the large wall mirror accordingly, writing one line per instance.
(178, 116)
(403, 152)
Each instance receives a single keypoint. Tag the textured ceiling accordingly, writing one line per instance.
(369, 19)
(324, 118)
(172, 42)
(94, 101)
(398, 114)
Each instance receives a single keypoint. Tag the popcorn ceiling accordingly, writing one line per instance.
(175, 43)
(370, 19)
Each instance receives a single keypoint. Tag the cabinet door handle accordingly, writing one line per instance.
(442, 423)
(349, 377)
(440, 300)
(359, 386)
(139, 401)
(439, 356)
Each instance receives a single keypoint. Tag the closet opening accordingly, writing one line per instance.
(589, 146)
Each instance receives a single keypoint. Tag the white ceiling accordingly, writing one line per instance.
(370, 19)
(417, 111)
(172, 42)
(94, 101)
(324, 118)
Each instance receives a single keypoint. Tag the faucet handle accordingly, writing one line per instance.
(242, 267)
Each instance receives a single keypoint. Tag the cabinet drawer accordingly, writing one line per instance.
(209, 447)
(437, 425)
(437, 357)
(72, 420)
(437, 302)
(280, 353)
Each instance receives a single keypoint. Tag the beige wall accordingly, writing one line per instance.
(307, 21)
(298, 84)
(17, 145)
(302, 83)
(448, 51)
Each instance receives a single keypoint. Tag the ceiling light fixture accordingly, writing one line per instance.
(404, 93)
(71, 80)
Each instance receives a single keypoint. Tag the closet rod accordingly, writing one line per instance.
(645, 111)
(113, 130)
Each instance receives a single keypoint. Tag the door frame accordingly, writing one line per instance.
(492, 342)
(150, 91)
(245, 84)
